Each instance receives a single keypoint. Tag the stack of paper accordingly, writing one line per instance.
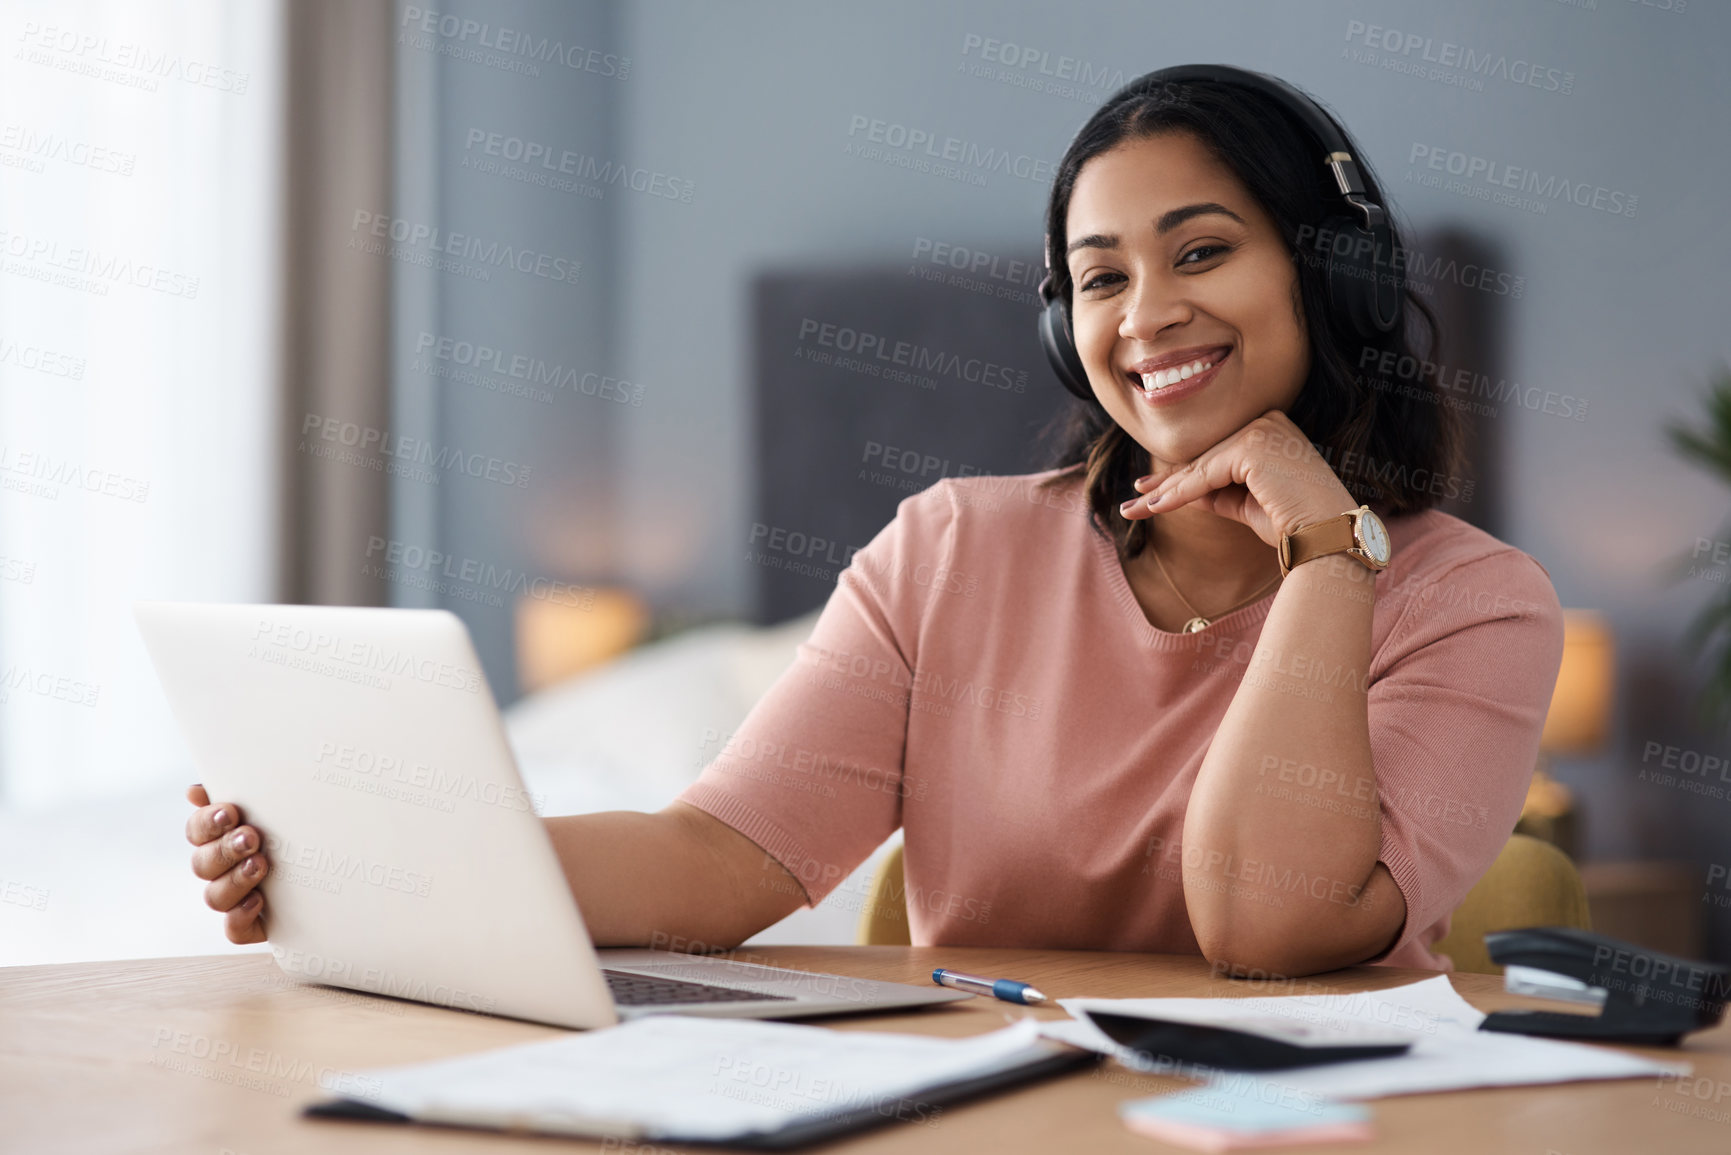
(698, 1079)
(1449, 1052)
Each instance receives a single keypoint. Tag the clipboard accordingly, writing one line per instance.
(1051, 1059)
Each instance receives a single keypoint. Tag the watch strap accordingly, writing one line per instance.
(1319, 539)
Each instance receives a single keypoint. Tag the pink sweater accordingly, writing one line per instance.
(973, 676)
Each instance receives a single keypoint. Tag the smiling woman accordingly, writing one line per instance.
(1202, 765)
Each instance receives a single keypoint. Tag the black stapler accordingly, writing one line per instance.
(1647, 998)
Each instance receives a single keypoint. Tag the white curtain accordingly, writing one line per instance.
(139, 181)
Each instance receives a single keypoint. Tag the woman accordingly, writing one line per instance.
(1104, 712)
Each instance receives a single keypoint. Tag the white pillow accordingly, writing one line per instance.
(637, 731)
(633, 734)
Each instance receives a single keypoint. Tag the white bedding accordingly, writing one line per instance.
(627, 737)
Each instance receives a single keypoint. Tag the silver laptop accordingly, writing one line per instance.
(406, 859)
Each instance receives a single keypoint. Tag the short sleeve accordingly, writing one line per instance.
(1455, 720)
(814, 774)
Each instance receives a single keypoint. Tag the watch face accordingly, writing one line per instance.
(1374, 535)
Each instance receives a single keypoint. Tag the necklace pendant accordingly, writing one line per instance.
(1195, 625)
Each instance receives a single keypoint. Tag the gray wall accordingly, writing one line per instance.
(547, 513)
(753, 103)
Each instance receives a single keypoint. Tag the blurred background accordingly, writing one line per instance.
(571, 317)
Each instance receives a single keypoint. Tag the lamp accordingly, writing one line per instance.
(1577, 723)
(559, 639)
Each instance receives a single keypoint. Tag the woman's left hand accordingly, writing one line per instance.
(1267, 475)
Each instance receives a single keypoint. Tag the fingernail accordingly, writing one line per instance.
(221, 819)
(250, 867)
(1155, 499)
(1145, 479)
(239, 841)
(1129, 505)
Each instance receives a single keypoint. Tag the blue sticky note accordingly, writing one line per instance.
(1245, 1107)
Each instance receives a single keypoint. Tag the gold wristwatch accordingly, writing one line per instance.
(1357, 533)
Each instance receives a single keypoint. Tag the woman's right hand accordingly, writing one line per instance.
(231, 858)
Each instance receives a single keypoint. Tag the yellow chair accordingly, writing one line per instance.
(884, 921)
(1531, 883)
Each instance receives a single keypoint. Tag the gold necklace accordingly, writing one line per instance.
(1198, 622)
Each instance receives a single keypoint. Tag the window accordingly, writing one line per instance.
(138, 224)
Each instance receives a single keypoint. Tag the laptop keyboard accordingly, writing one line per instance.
(634, 990)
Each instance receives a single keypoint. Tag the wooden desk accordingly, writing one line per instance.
(216, 1055)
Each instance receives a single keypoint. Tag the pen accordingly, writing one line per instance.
(1009, 990)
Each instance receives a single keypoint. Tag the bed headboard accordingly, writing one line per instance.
(873, 383)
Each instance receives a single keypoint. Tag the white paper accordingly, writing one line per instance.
(1449, 1052)
(674, 1076)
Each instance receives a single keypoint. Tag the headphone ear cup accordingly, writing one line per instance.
(1361, 291)
(1388, 283)
(1060, 350)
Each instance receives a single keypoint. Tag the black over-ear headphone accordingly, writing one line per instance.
(1349, 242)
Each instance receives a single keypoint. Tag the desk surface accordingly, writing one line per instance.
(216, 1056)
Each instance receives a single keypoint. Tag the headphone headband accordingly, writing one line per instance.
(1338, 155)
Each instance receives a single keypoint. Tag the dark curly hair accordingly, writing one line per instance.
(1388, 446)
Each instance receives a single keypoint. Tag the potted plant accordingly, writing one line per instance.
(1709, 446)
